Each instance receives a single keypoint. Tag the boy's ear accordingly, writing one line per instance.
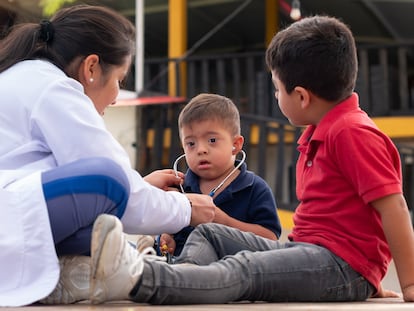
(304, 96)
(237, 144)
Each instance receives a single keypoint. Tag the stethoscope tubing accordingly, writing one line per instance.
(214, 190)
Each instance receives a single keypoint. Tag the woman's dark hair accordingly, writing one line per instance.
(317, 53)
(73, 32)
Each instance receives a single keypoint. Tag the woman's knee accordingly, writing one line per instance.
(106, 167)
(114, 176)
(97, 176)
(96, 166)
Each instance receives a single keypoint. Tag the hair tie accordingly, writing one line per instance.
(47, 31)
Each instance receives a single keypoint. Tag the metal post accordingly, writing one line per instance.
(139, 56)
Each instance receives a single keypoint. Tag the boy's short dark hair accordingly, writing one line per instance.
(206, 106)
(317, 53)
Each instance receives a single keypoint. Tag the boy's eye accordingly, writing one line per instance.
(190, 143)
(212, 140)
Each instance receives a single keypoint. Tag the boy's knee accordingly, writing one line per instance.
(206, 228)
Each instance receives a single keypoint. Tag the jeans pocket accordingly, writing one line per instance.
(357, 289)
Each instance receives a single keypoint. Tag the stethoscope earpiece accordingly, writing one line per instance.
(176, 170)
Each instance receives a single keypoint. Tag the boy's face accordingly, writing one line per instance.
(289, 104)
(208, 148)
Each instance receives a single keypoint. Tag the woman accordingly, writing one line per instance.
(59, 166)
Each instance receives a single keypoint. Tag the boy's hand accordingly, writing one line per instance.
(165, 179)
(167, 244)
(408, 293)
(386, 293)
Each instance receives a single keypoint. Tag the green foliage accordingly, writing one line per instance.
(51, 6)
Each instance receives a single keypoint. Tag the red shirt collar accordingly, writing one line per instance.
(317, 132)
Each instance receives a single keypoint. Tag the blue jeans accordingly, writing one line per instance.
(229, 265)
(76, 194)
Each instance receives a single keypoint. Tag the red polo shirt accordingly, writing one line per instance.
(345, 163)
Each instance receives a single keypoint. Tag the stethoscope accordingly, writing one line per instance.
(213, 191)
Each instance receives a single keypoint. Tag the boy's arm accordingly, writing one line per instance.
(398, 230)
(222, 218)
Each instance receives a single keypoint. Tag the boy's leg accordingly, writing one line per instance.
(299, 272)
(210, 242)
(76, 193)
(294, 272)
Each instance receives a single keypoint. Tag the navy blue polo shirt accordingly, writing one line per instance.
(247, 198)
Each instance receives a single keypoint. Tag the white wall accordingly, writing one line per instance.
(120, 121)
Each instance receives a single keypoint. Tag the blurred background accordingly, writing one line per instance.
(185, 47)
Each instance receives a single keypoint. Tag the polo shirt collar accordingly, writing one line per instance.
(192, 185)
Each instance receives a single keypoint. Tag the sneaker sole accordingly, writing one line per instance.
(102, 226)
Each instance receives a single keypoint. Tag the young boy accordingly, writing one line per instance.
(209, 128)
(351, 218)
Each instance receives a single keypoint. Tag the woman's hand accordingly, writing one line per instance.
(165, 179)
(202, 208)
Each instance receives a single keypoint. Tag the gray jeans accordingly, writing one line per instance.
(228, 265)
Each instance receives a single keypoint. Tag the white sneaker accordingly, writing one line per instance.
(73, 285)
(144, 241)
(116, 265)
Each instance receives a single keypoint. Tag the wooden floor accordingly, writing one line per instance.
(390, 282)
(391, 304)
(370, 305)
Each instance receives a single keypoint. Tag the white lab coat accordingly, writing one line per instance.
(46, 121)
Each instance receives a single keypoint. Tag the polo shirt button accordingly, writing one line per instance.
(309, 163)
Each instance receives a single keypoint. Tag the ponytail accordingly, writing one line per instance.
(73, 32)
(20, 44)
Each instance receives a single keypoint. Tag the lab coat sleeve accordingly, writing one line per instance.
(66, 120)
(148, 213)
